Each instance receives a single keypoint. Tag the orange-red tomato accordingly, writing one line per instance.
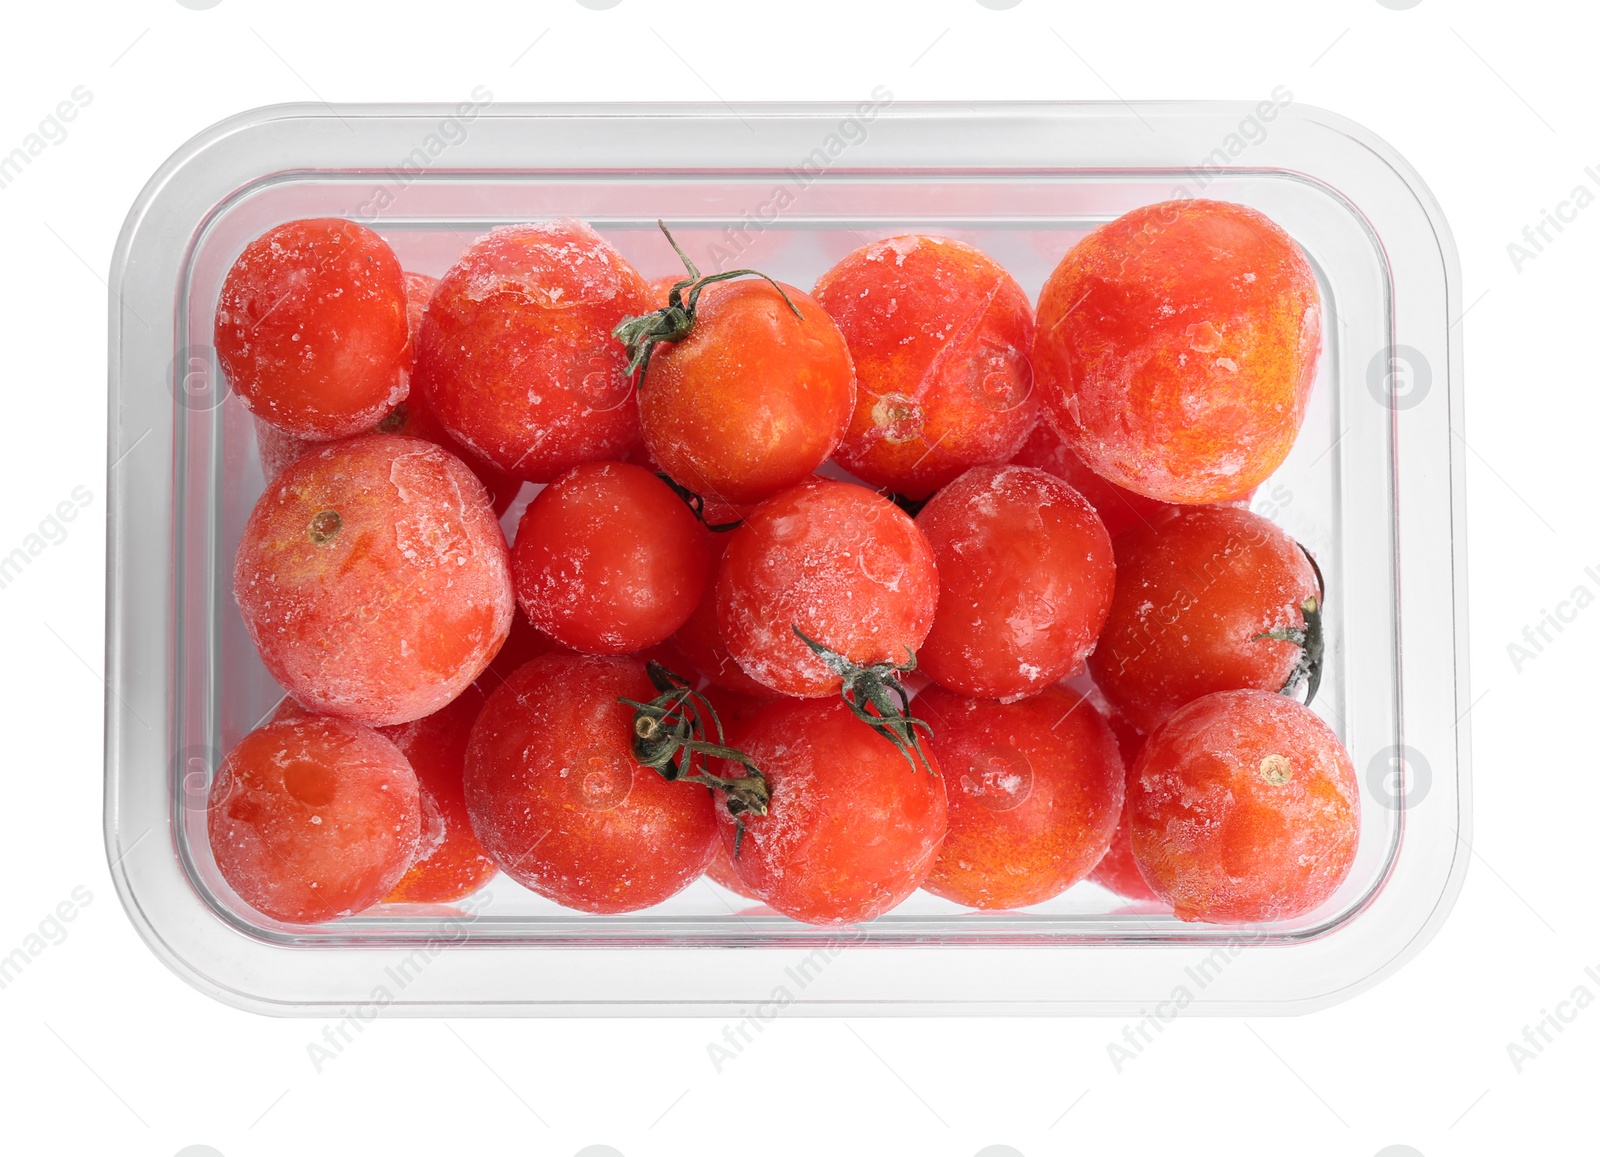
(311, 328)
(753, 399)
(839, 562)
(1034, 788)
(374, 579)
(940, 335)
(313, 818)
(1176, 348)
(608, 560)
(1197, 594)
(559, 801)
(516, 355)
(1025, 580)
(852, 827)
(700, 641)
(450, 862)
(1117, 869)
(1244, 807)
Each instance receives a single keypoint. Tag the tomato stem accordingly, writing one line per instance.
(674, 320)
(697, 505)
(877, 697)
(1308, 667)
(669, 734)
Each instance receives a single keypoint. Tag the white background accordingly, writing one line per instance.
(104, 1051)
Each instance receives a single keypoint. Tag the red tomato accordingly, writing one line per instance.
(700, 641)
(754, 398)
(311, 328)
(374, 580)
(559, 800)
(1025, 580)
(721, 870)
(1035, 789)
(523, 643)
(1244, 807)
(940, 336)
(1207, 599)
(1176, 348)
(1117, 871)
(313, 818)
(450, 862)
(1118, 509)
(516, 356)
(852, 827)
(608, 560)
(840, 563)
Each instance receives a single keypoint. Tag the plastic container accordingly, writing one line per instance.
(1374, 487)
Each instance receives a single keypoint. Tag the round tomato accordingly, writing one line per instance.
(560, 801)
(837, 562)
(1207, 599)
(700, 641)
(1025, 580)
(1176, 348)
(374, 580)
(940, 336)
(1034, 787)
(608, 560)
(516, 356)
(853, 825)
(1244, 807)
(312, 818)
(311, 328)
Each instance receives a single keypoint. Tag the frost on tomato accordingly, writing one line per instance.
(1244, 807)
(852, 827)
(608, 560)
(374, 580)
(1176, 348)
(839, 562)
(450, 862)
(560, 802)
(1025, 580)
(313, 818)
(940, 336)
(1207, 599)
(1034, 787)
(311, 328)
(516, 355)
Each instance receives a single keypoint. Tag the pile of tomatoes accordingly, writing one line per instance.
(901, 583)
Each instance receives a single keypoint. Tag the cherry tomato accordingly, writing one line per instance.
(560, 802)
(753, 399)
(1025, 580)
(839, 562)
(516, 355)
(940, 336)
(450, 862)
(1176, 348)
(374, 580)
(700, 642)
(524, 642)
(1244, 807)
(721, 870)
(1117, 870)
(852, 828)
(1118, 509)
(1035, 789)
(1207, 599)
(313, 818)
(608, 560)
(311, 328)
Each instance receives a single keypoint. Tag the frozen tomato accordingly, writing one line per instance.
(374, 579)
(1117, 870)
(1118, 508)
(700, 641)
(940, 336)
(311, 818)
(1207, 599)
(1244, 807)
(747, 386)
(1035, 789)
(523, 643)
(609, 560)
(1025, 579)
(721, 870)
(837, 562)
(560, 801)
(516, 356)
(1176, 348)
(853, 825)
(311, 328)
(450, 862)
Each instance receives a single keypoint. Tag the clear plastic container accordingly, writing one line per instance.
(1374, 487)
